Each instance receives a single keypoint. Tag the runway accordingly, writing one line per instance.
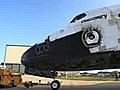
(100, 86)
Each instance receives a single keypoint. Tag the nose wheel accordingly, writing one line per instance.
(55, 85)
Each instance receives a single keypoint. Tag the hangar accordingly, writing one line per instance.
(12, 59)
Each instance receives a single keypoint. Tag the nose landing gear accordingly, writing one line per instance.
(55, 85)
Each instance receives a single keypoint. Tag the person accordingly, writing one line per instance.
(116, 76)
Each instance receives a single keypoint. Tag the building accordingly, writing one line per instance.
(13, 55)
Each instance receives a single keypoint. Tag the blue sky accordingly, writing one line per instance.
(26, 22)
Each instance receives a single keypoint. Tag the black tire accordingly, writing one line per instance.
(26, 84)
(12, 83)
(55, 85)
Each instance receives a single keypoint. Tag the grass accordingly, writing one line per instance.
(87, 78)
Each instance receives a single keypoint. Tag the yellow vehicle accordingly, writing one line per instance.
(9, 77)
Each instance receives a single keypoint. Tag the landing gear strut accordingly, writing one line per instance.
(55, 85)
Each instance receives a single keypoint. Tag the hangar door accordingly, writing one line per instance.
(13, 55)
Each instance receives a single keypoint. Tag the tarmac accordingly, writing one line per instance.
(68, 84)
(100, 86)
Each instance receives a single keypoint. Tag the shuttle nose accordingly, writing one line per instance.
(25, 59)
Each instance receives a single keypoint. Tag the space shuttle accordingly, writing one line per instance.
(91, 41)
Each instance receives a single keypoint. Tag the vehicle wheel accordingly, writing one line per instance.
(26, 84)
(55, 85)
(12, 83)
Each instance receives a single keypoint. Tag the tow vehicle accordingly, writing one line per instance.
(10, 77)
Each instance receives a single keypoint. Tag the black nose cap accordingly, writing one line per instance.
(23, 59)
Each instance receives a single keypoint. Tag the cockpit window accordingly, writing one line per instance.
(78, 17)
